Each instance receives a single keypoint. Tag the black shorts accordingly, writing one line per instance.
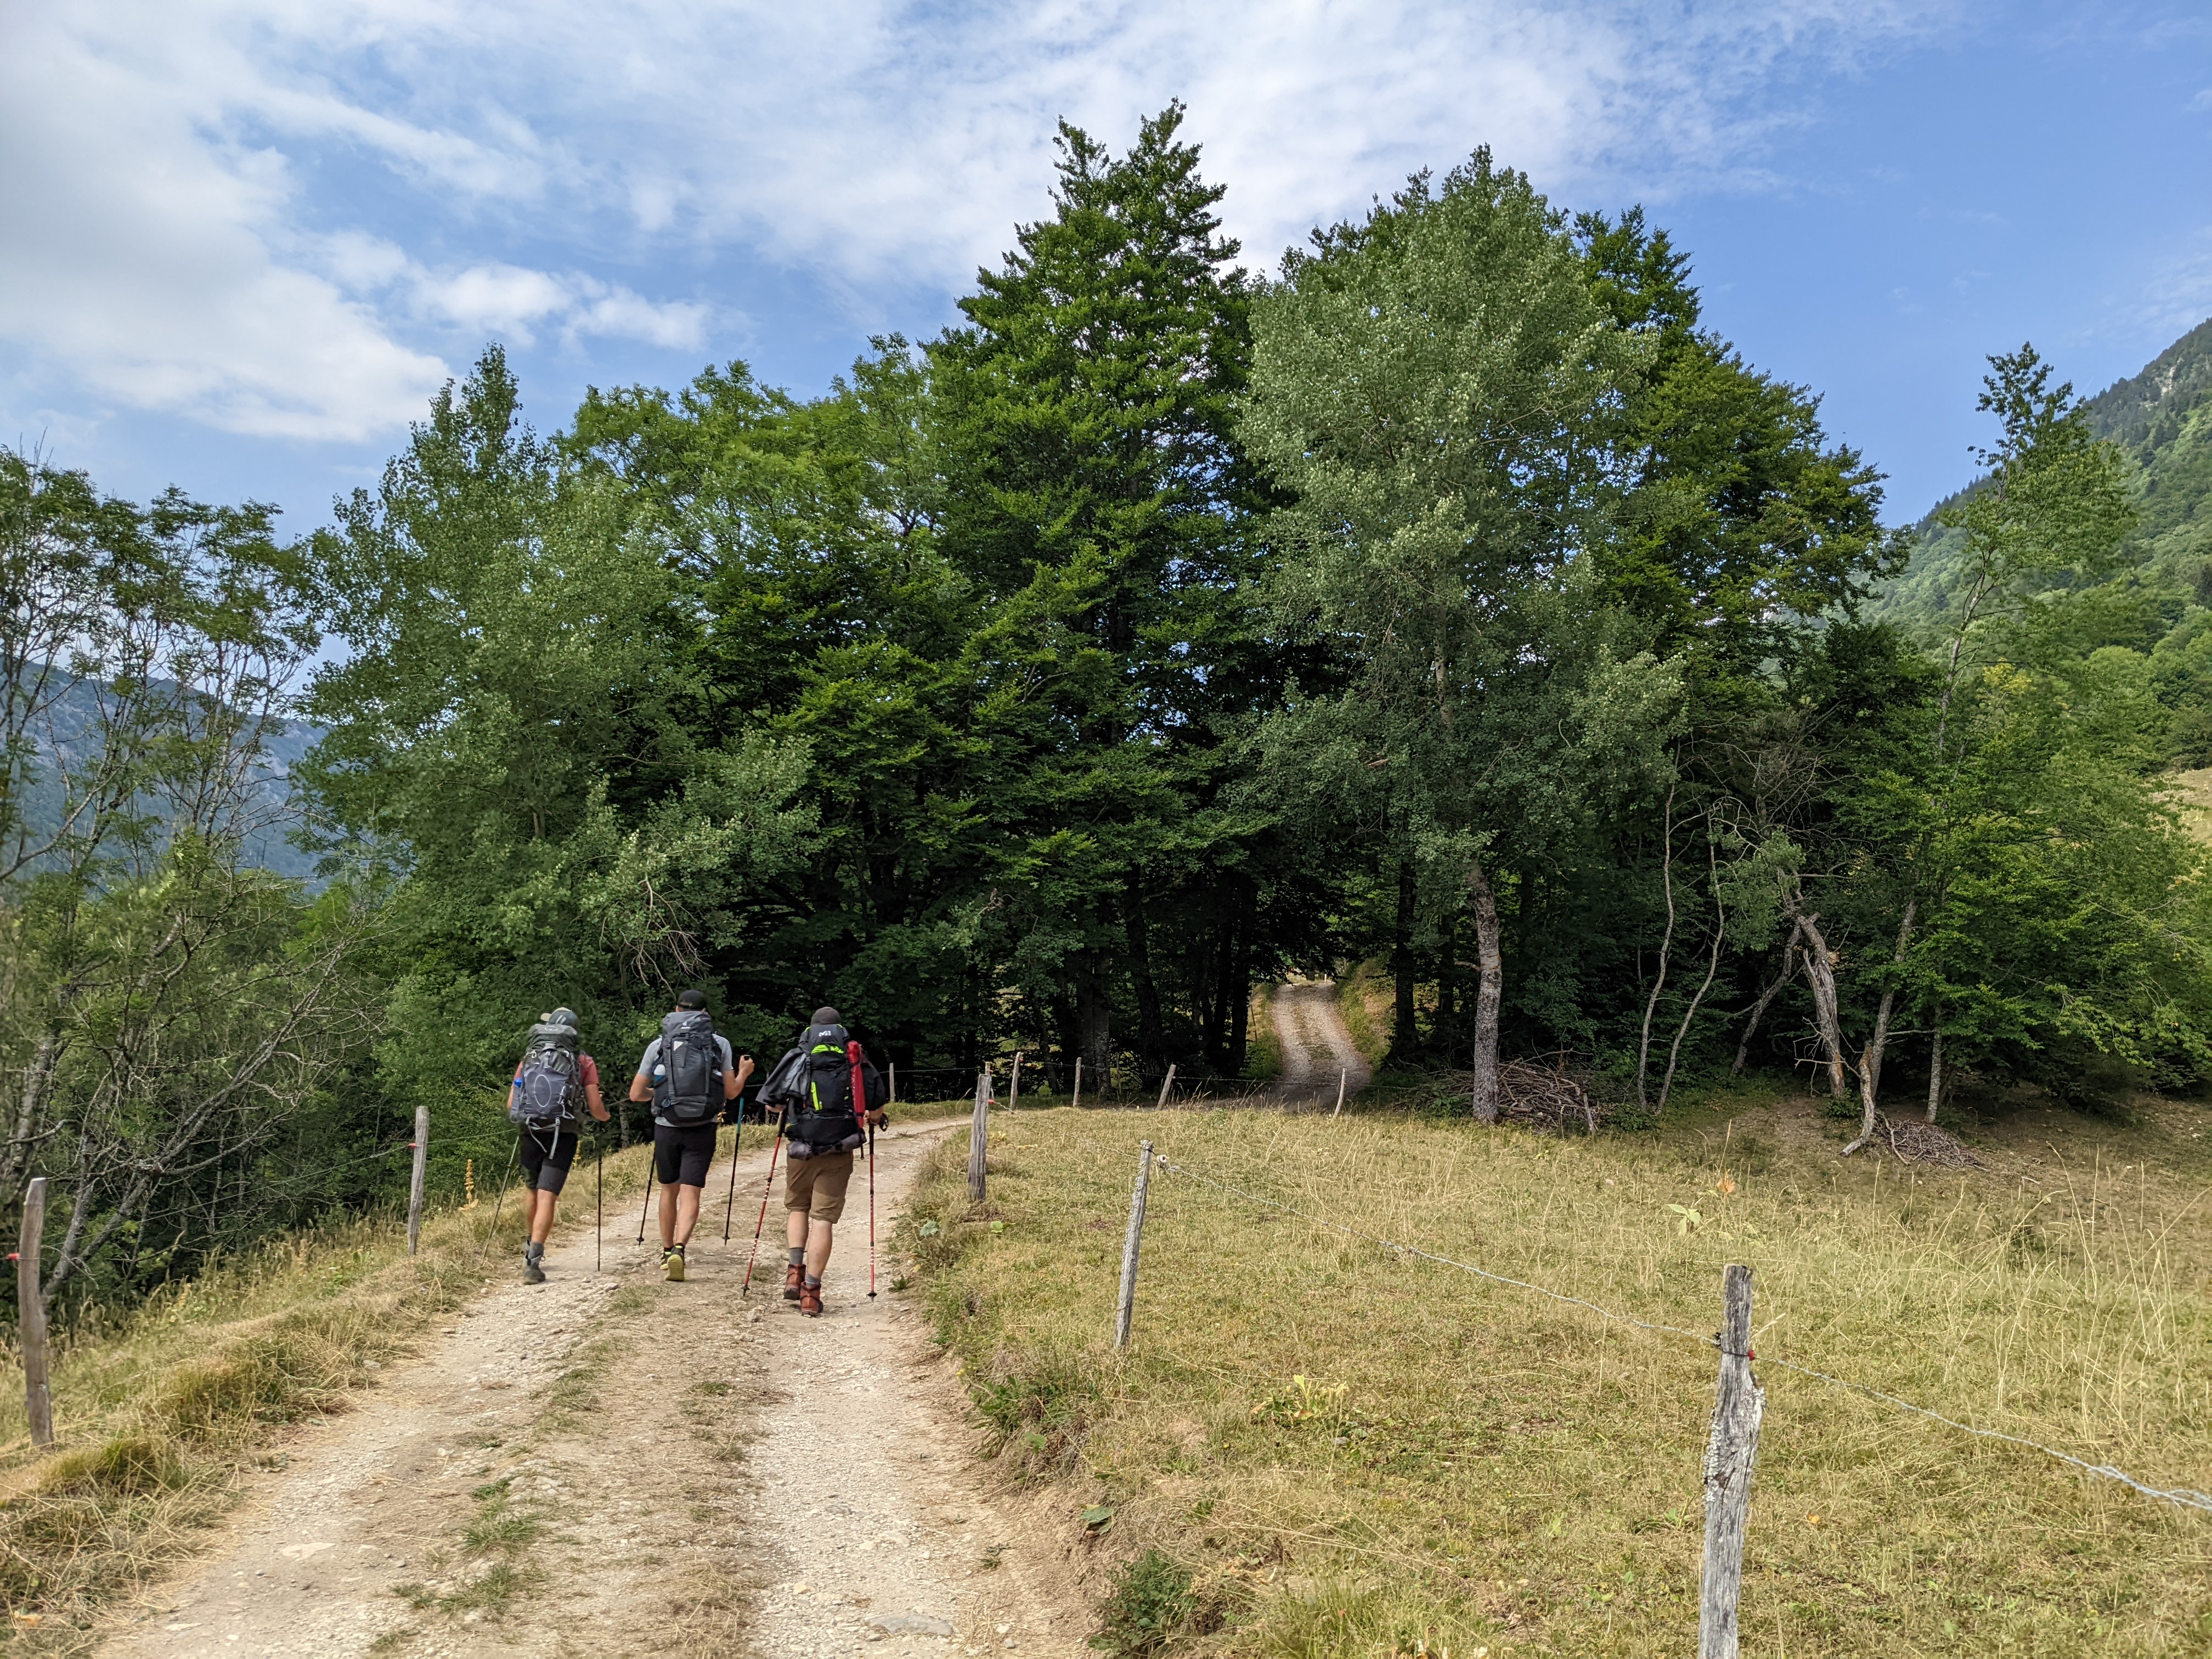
(680, 1157)
(546, 1158)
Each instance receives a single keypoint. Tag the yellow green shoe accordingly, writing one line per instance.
(672, 1262)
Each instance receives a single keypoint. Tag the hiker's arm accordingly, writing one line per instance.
(599, 1106)
(733, 1083)
(514, 1088)
(641, 1089)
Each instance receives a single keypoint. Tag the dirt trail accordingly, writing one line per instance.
(643, 1469)
(1316, 1047)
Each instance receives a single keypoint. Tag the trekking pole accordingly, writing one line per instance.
(600, 1205)
(501, 1200)
(730, 1209)
(860, 1101)
(650, 1168)
(746, 1289)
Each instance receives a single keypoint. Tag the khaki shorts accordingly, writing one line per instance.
(817, 1184)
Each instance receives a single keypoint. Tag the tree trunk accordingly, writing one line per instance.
(1935, 1072)
(1404, 1035)
(1486, 996)
(1240, 990)
(1094, 1012)
(1821, 975)
(1151, 1041)
(1665, 946)
(1758, 1008)
(1712, 967)
(1870, 1061)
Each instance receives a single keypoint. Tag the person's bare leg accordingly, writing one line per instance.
(687, 1213)
(541, 1217)
(668, 1192)
(818, 1246)
(794, 1229)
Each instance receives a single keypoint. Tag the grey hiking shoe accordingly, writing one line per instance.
(532, 1271)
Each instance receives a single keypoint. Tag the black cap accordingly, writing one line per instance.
(826, 1017)
(693, 999)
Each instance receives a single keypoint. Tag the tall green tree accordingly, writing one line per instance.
(1095, 491)
(1434, 388)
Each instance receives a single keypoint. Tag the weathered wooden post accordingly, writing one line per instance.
(1738, 1404)
(421, 1168)
(979, 1135)
(1166, 1083)
(894, 1084)
(1014, 1086)
(1077, 1098)
(1343, 1078)
(1127, 1304)
(31, 1316)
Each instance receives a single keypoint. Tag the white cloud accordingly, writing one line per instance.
(188, 231)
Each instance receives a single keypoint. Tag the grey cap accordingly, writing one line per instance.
(828, 1016)
(562, 1016)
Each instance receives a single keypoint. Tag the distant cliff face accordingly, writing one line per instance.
(69, 735)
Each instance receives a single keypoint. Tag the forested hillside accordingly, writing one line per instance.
(1456, 594)
(2154, 598)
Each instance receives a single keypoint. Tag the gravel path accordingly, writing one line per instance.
(1316, 1047)
(611, 1464)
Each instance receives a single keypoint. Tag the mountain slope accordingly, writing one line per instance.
(2158, 604)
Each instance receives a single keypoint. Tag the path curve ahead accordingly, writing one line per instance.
(1316, 1046)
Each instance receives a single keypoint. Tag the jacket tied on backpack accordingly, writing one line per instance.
(549, 1085)
(813, 1084)
(686, 1087)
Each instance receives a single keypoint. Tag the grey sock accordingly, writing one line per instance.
(813, 1283)
(799, 1256)
(534, 1250)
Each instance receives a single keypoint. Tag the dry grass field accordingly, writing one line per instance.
(1317, 1446)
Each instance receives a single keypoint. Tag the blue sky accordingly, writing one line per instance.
(242, 240)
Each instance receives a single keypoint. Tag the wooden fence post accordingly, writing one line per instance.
(979, 1135)
(1166, 1083)
(1343, 1078)
(31, 1316)
(1014, 1088)
(1738, 1404)
(893, 1101)
(421, 1168)
(1126, 1306)
(1077, 1098)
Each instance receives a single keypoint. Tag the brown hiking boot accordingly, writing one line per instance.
(794, 1281)
(810, 1300)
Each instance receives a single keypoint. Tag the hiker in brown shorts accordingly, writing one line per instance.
(824, 1127)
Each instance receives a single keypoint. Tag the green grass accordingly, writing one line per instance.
(1263, 1052)
(1363, 998)
(1337, 1451)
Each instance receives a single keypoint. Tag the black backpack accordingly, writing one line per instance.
(818, 1087)
(689, 1088)
(549, 1087)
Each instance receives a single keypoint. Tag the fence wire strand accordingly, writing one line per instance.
(2184, 1497)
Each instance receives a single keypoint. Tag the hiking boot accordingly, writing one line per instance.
(794, 1281)
(672, 1262)
(810, 1300)
(532, 1273)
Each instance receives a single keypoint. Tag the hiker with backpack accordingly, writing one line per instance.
(813, 1087)
(688, 1074)
(553, 1082)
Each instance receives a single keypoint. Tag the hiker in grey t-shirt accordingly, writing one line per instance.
(687, 1092)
